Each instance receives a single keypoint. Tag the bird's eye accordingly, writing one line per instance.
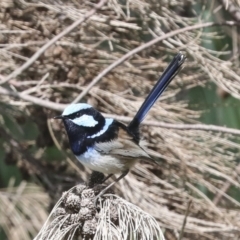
(78, 114)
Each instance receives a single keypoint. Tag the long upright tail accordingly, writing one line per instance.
(157, 90)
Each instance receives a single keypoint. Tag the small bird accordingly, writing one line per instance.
(106, 145)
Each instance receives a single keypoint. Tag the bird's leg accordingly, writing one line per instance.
(107, 177)
(110, 185)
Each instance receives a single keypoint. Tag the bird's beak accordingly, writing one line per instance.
(59, 117)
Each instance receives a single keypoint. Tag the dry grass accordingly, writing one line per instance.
(23, 210)
(190, 159)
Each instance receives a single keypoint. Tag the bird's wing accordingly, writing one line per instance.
(123, 146)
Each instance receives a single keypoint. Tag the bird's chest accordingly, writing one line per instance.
(102, 163)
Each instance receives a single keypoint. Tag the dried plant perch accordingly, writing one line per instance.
(76, 217)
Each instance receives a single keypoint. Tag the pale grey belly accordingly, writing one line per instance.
(105, 163)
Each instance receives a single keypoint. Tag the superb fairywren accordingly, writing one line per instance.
(107, 145)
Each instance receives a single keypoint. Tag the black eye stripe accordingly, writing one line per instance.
(89, 111)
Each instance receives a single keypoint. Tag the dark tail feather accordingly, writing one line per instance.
(157, 90)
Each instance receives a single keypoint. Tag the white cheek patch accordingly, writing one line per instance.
(85, 121)
(108, 122)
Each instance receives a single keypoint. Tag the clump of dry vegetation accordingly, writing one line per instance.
(75, 216)
(111, 59)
